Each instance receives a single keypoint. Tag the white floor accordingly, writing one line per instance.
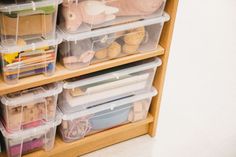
(198, 113)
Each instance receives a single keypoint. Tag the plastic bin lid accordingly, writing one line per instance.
(25, 96)
(116, 74)
(16, 48)
(112, 29)
(33, 131)
(28, 6)
(110, 105)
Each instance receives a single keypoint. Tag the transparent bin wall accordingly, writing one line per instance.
(18, 1)
(82, 53)
(75, 129)
(31, 114)
(109, 87)
(17, 65)
(28, 26)
(85, 15)
(17, 147)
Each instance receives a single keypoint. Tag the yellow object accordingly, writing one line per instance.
(9, 58)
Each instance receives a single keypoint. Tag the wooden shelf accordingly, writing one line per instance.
(62, 73)
(96, 141)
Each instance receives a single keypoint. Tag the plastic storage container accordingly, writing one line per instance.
(28, 23)
(130, 109)
(30, 108)
(23, 142)
(96, 88)
(86, 15)
(18, 1)
(81, 50)
(19, 62)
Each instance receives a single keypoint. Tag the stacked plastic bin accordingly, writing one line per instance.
(97, 31)
(107, 99)
(28, 38)
(29, 119)
(29, 47)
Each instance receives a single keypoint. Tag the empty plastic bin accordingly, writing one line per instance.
(28, 23)
(23, 142)
(81, 50)
(129, 109)
(18, 62)
(30, 108)
(86, 15)
(96, 88)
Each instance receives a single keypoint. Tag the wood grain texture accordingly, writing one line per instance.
(62, 73)
(165, 42)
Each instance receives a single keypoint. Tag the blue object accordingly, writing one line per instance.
(110, 118)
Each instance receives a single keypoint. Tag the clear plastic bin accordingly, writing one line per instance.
(23, 142)
(86, 15)
(96, 88)
(30, 108)
(18, 1)
(81, 50)
(28, 23)
(130, 109)
(19, 62)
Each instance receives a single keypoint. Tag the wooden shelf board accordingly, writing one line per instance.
(63, 73)
(95, 141)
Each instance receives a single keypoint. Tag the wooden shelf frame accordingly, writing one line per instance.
(118, 134)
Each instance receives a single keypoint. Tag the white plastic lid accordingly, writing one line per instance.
(113, 29)
(33, 131)
(111, 105)
(33, 46)
(25, 96)
(144, 66)
(26, 6)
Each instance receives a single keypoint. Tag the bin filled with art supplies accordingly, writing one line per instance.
(23, 61)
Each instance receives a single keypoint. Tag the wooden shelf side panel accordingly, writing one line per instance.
(165, 42)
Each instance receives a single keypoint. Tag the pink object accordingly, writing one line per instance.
(136, 7)
(90, 12)
(26, 147)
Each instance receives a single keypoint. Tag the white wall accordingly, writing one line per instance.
(198, 113)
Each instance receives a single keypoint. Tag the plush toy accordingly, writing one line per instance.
(113, 51)
(133, 39)
(136, 7)
(104, 41)
(76, 52)
(90, 12)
